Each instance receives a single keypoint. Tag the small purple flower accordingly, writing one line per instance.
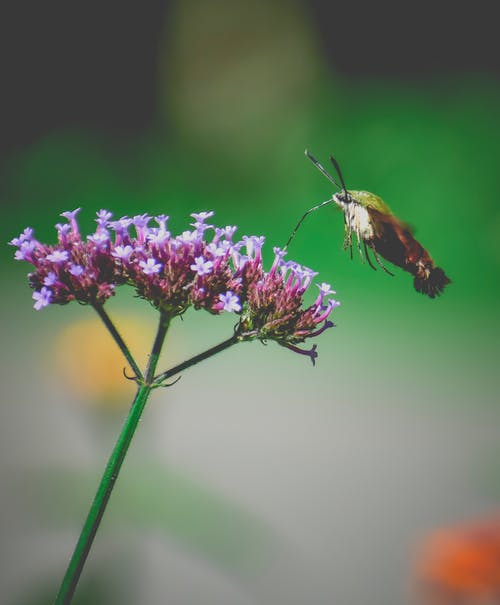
(99, 238)
(51, 279)
(58, 256)
(26, 235)
(304, 276)
(42, 298)
(325, 289)
(103, 217)
(25, 250)
(229, 232)
(230, 302)
(63, 231)
(308, 275)
(122, 252)
(158, 236)
(253, 245)
(220, 249)
(121, 225)
(162, 219)
(150, 267)
(320, 313)
(141, 220)
(200, 228)
(71, 217)
(188, 237)
(279, 255)
(70, 214)
(201, 217)
(239, 260)
(226, 232)
(76, 270)
(202, 266)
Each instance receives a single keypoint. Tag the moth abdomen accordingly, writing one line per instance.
(432, 283)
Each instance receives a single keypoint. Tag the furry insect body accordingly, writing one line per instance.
(369, 220)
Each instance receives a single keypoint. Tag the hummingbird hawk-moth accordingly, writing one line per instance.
(378, 230)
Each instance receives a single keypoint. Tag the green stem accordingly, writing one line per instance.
(196, 359)
(110, 475)
(156, 350)
(119, 340)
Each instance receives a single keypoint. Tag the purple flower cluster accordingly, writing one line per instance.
(202, 267)
(73, 269)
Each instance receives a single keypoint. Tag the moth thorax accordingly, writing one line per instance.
(356, 216)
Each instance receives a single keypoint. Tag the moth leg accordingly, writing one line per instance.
(368, 256)
(348, 231)
(345, 243)
(379, 262)
(358, 237)
(347, 238)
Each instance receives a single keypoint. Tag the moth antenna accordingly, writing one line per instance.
(339, 172)
(321, 169)
(302, 220)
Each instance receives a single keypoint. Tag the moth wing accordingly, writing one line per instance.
(370, 200)
(375, 203)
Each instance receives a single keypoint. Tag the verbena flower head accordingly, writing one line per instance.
(202, 268)
(72, 269)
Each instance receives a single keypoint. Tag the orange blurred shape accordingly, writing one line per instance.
(90, 364)
(461, 564)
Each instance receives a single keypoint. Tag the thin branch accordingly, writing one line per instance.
(119, 340)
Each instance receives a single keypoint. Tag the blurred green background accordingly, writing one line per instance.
(256, 479)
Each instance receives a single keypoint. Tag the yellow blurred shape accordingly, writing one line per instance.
(90, 364)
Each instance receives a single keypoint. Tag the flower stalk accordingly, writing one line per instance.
(119, 452)
(113, 466)
(159, 380)
(119, 340)
(101, 498)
